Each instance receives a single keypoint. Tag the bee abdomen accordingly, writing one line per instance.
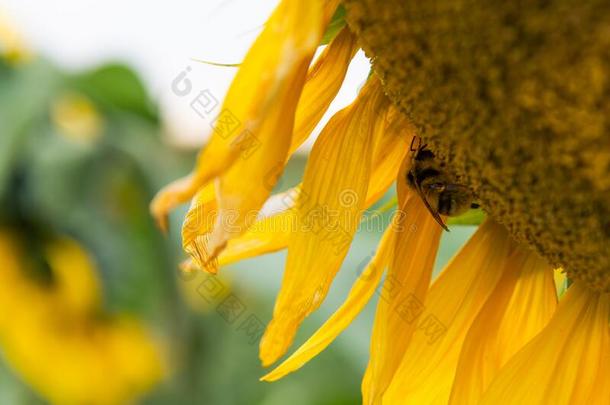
(424, 174)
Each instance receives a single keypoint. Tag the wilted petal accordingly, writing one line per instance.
(269, 233)
(257, 116)
(358, 297)
(324, 79)
(196, 229)
(265, 236)
(272, 233)
(329, 209)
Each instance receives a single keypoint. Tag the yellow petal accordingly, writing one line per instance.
(360, 294)
(567, 363)
(402, 295)
(248, 183)
(324, 80)
(243, 189)
(330, 206)
(427, 369)
(257, 116)
(268, 234)
(265, 236)
(196, 228)
(520, 306)
(389, 152)
(76, 282)
(272, 233)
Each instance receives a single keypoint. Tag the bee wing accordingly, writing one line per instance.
(434, 214)
(462, 193)
(457, 187)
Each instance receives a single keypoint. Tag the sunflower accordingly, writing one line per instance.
(500, 324)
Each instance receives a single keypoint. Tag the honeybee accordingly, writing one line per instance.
(440, 195)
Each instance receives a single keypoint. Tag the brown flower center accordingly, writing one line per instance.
(515, 98)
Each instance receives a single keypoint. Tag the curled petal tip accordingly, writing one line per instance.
(218, 242)
(216, 248)
(275, 342)
(161, 220)
(172, 195)
(267, 359)
(187, 266)
(159, 209)
(210, 266)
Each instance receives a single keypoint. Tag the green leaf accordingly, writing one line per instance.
(472, 217)
(336, 24)
(388, 206)
(24, 97)
(563, 288)
(116, 86)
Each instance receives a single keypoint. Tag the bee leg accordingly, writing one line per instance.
(412, 148)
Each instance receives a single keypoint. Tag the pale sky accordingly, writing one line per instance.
(159, 39)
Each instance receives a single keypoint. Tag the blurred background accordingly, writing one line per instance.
(93, 305)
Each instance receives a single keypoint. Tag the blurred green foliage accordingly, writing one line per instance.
(98, 191)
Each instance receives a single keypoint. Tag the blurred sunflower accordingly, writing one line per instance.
(53, 332)
(491, 328)
(64, 330)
